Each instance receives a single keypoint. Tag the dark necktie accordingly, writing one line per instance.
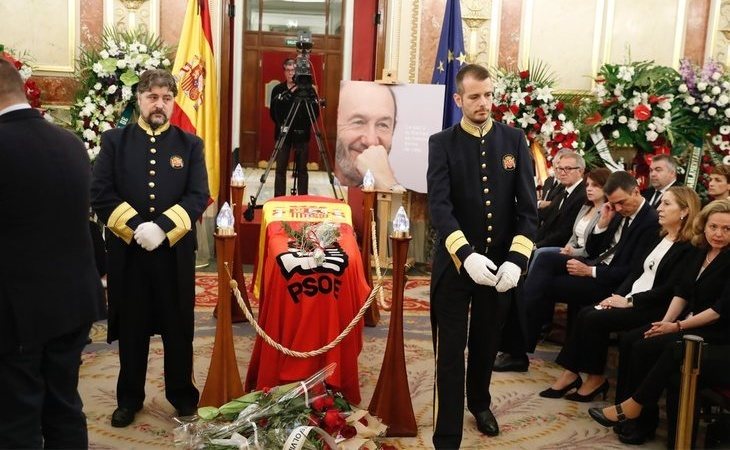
(614, 247)
(655, 198)
(625, 228)
(563, 198)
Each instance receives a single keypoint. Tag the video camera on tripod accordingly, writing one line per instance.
(304, 97)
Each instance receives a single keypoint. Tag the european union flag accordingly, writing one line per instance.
(449, 59)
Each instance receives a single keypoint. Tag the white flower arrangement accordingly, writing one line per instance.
(108, 78)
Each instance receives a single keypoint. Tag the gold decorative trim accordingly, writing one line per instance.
(522, 245)
(413, 48)
(495, 26)
(182, 222)
(118, 219)
(526, 33)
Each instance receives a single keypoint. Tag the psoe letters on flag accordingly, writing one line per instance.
(196, 103)
(450, 56)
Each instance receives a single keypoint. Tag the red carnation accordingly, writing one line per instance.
(642, 112)
(593, 119)
(559, 106)
(525, 74)
(502, 108)
(528, 99)
(514, 109)
(348, 431)
(529, 88)
(559, 137)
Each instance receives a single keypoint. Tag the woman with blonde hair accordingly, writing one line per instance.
(640, 299)
(701, 306)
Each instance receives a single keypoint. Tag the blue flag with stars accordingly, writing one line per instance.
(450, 56)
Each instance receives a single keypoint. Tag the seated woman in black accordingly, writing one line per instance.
(641, 298)
(701, 306)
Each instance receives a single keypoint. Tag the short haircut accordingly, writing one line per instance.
(715, 206)
(473, 70)
(722, 170)
(671, 162)
(344, 85)
(566, 153)
(620, 180)
(686, 198)
(289, 61)
(156, 78)
(11, 84)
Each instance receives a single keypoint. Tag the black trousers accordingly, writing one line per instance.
(586, 348)
(301, 155)
(464, 315)
(41, 406)
(150, 306)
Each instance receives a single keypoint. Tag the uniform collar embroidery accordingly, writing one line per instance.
(476, 130)
(147, 129)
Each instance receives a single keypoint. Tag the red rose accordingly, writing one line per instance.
(502, 108)
(318, 404)
(540, 112)
(642, 112)
(514, 109)
(559, 106)
(348, 431)
(525, 74)
(536, 126)
(332, 422)
(560, 137)
(528, 99)
(529, 88)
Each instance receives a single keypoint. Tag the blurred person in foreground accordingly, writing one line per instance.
(50, 291)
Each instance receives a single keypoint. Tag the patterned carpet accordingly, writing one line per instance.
(526, 420)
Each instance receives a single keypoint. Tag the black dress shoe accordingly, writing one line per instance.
(636, 435)
(597, 415)
(587, 398)
(509, 363)
(557, 393)
(486, 423)
(122, 417)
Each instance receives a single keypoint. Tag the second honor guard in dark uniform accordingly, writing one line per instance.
(482, 201)
(149, 187)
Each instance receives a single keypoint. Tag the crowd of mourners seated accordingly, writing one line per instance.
(649, 266)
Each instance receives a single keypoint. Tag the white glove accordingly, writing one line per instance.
(478, 267)
(149, 235)
(507, 276)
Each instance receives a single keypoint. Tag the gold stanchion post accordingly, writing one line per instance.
(224, 381)
(372, 316)
(391, 401)
(687, 391)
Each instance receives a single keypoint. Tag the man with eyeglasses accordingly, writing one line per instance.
(662, 176)
(626, 225)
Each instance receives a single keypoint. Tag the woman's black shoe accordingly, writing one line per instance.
(558, 393)
(597, 415)
(636, 436)
(576, 397)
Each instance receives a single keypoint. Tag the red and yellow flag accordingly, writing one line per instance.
(196, 104)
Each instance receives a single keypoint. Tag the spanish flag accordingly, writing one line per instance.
(196, 104)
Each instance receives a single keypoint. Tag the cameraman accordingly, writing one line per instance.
(282, 101)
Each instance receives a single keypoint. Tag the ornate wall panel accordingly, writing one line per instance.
(53, 49)
(123, 15)
(571, 50)
(718, 34)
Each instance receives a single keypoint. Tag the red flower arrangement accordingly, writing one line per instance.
(32, 92)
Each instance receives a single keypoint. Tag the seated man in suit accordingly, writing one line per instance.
(662, 176)
(625, 227)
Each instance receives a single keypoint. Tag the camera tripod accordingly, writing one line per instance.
(304, 97)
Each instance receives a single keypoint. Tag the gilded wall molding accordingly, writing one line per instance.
(718, 34)
(145, 18)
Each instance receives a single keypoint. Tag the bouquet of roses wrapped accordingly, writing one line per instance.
(303, 415)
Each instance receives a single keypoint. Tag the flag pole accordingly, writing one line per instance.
(226, 123)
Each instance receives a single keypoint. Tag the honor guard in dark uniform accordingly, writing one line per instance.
(149, 187)
(482, 203)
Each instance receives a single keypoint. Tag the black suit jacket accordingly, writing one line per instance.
(49, 285)
(648, 193)
(557, 225)
(669, 270)
(641, 233)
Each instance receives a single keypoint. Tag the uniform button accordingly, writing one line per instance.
(152, 209)
(484, 178)
(152, 139)
(489, 215)
(484, 166)
(153, 162)
(152, 173)
(484, 153)
(153, 150)
(482, 141)
(489, 228)
(489, 203)
(151, 184)
(152, 196)
(486, 191)
(489, 240)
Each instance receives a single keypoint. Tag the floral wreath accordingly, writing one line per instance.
(108, 76)
(32, 91)
(525, 99)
